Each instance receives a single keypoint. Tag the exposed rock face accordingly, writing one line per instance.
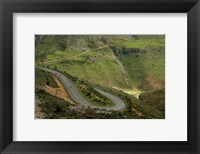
(122, 69)
(59, 92)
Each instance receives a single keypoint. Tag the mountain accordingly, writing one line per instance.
(122, 61)
(131, 67)
(50, 43)
(144, 61)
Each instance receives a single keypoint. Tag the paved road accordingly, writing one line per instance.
(75, 95)
(119, 104)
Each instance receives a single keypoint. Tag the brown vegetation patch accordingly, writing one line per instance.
(152, 83)
(59, 92)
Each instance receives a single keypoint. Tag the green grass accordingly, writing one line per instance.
(139, 43)
(142, 57)
(146, 70)
(138, 107)
(97, 67)
(48, 44)
(60, 54)
(100, 73)
(55, 108)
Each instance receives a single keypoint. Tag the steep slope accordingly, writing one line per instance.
(124, 61)
(123, 65)
(143, 59)
(49, 44)
(97, 67)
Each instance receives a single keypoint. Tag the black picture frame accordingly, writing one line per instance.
(8, 7)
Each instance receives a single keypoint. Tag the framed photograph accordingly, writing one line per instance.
(99, 76)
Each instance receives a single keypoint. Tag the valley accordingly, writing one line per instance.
(110, 76)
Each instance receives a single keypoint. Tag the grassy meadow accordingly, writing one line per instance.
(129, 69)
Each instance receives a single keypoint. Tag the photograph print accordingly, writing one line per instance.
(100, 76)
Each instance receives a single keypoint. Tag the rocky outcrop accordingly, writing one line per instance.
(59, 92)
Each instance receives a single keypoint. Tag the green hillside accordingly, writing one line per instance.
(92, 58)
(129, 66)
(49, 44)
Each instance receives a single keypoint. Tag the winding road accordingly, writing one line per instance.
(76, 96)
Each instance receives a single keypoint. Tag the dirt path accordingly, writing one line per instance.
(60, 59)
